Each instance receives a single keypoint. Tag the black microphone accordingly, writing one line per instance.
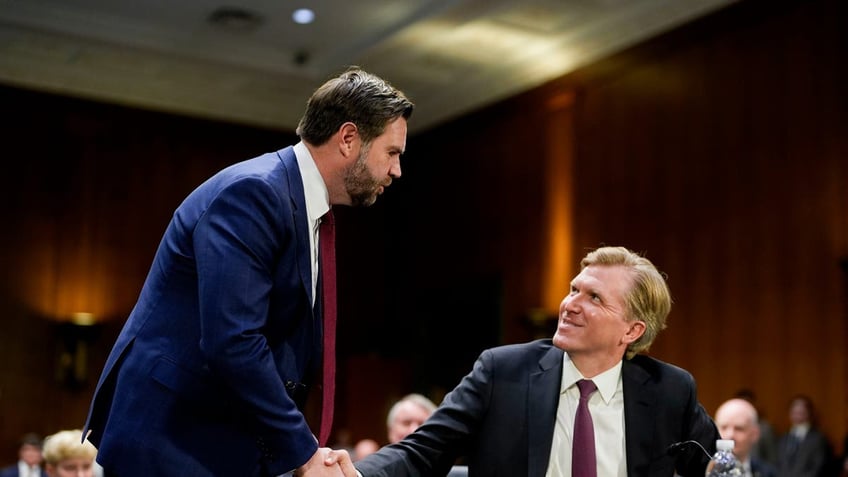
(679, 447)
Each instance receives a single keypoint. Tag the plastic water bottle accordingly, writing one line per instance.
(723, 462)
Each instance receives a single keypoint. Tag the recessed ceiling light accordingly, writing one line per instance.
(303, 16)
(235, 19)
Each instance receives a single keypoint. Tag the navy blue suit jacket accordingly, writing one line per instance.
(201, 380)
(501, 417)
(12, 471)
(761, 468)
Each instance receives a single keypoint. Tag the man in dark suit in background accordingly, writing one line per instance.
(804, 451)
(29, 459)
(737, 420)
(207, 373)
(514, 413)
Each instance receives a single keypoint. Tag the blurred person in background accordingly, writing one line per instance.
(66, 454)
(406, 415)
(29, 459)
(363, 448)
(403, 418)
(766, 447)
(737, 419)
(803, 451)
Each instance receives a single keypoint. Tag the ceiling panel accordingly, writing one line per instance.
(449, 56)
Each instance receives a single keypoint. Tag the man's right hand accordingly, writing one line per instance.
(318, 465)
(341, 458)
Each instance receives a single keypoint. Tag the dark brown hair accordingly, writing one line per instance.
(355, 96)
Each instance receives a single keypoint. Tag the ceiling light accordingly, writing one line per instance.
(303, 16)
(235, 19)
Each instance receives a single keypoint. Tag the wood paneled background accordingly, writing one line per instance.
(720, 150)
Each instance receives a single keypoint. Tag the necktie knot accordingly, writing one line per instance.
(587, 387)
(327, 220)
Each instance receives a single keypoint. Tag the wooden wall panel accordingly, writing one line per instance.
(87, 191)
(718, 149)
(722, 156)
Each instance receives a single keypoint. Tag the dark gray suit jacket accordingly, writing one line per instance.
(501, 418)
(810, 459)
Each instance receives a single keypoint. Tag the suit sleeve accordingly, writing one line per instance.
(238, 242)
(700, 428)
(433, 448)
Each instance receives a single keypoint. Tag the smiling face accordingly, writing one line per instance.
(377, 163)
(593, 319)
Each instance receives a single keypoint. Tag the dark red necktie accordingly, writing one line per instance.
(327, 240)
(583, 446)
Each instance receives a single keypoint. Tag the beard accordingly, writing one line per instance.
(360, 185)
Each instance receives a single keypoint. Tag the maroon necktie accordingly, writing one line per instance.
(327, 240)
(583, 446)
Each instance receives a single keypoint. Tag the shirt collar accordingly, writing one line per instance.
(800, 430)
(24, 467)
(607, 382)
(314, 190)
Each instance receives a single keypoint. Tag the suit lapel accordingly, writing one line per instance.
(301, 222)
(542, 402)
(639, 403)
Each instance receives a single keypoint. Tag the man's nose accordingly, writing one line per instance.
(571, 304)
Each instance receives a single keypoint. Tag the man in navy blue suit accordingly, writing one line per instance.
(513, 414)
(206, 376)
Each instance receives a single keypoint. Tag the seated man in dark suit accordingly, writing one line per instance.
(513, 414)
(737, 420)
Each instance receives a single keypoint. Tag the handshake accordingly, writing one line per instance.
(327, 462)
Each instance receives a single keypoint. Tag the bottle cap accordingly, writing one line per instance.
(725, 444)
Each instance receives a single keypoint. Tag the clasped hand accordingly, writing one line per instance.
(327, 462)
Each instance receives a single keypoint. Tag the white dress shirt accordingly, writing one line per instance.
(317, 203)
(746, 467)
(24, 470)
(607, 408)
(800, 431)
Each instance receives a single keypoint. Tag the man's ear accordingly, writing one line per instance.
(634, 332)
(348, 138)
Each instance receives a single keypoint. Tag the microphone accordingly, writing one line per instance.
(679, 447)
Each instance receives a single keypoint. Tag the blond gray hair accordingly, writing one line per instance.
(67, 444)
(649, 299)
(418, 399)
